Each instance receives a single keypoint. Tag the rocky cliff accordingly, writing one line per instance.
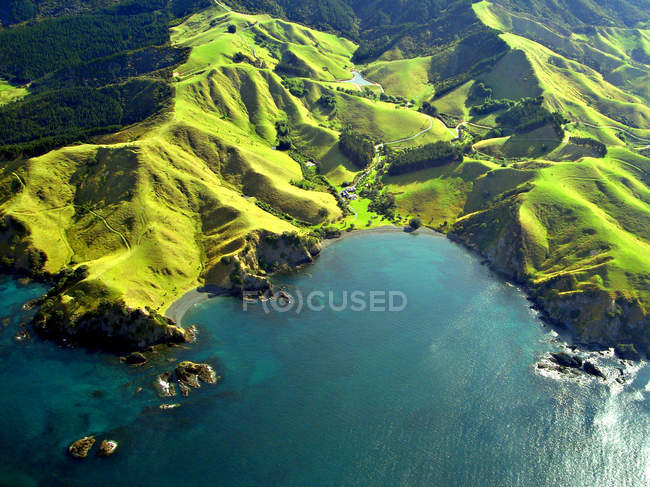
(264, 253)
(594, 314)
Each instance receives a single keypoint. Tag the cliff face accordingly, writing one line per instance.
(594, 314)
(599, 316)
(496, 235)
(264, 253)
(109, 326)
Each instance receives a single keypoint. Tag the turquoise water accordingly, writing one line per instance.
(443, 393)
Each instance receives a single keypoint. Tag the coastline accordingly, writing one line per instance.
(187, 301)
(179, 308)
(383, 229)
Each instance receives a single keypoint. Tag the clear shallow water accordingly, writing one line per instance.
(443, 393)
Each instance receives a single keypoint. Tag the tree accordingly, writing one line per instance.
(429, 109)
(328, 101)
(359, 148)
(415, 223)
(232, 28)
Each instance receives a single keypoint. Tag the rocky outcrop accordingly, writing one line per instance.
(135, 358)
(263, 254)
(109, 326)
(566, 360)
(572, 365)
(107, 448)
(191, 373)
(187, 375)
(81, 447)
(592, 369)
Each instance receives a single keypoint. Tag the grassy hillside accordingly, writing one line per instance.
(10, 93)
(153, 209)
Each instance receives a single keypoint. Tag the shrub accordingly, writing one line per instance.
(415, 223)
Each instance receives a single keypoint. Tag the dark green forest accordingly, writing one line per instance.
(89, 74)
(359, 148)
(430, 155)
(528, 114)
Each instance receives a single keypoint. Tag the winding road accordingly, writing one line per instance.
(225, 7)
(421, 132)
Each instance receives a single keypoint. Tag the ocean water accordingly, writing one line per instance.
(443, 393)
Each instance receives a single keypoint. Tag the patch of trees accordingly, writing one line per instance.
(284, 139)
(327, 101)
(429, 109)
(181, 8)
(396, 99)
(295, 86)
(430, 155)
(359, 148)
(114, 69)
(15, 11)
(529, 114)
(415, 223)
(323, 14)
(478, 94)
(383, 204)
(41, 122)
(598, 147)
(28, 52)
(491, 106)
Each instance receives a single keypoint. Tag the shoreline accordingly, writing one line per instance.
(185, 303)
(382, 229)
(179, 308)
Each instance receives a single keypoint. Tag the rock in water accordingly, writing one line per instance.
(106, 448)
(166, 407)
(191, 373)
(164, 386)
(188, 373)
(136, 358)
(184, 388)
(627, 351)
(591, 369)
(191, 334)
(566, 360)
(80, 448)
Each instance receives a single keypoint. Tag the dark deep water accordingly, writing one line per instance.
(443, 393)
